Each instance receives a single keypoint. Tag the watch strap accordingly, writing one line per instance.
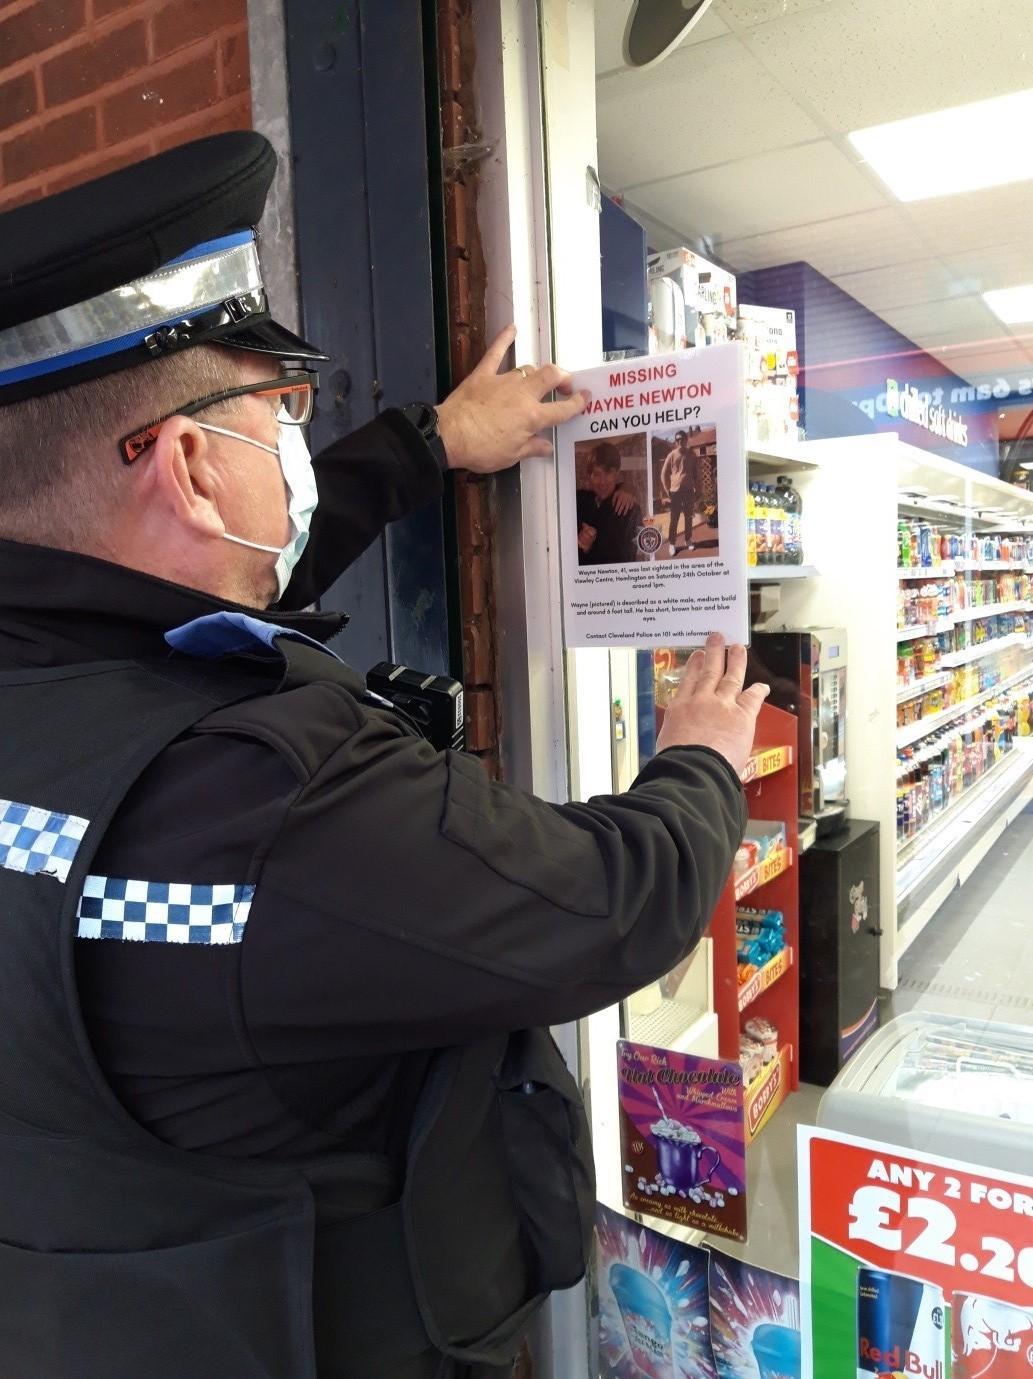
(424, 417)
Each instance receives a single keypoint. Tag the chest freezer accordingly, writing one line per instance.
(941, 1084)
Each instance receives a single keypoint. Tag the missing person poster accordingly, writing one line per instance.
(653, 502)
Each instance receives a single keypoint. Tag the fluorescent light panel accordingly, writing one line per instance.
(1012, 305)
(966, 148)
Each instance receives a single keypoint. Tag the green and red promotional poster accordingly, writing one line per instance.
(682, 1138)
(912, 1264)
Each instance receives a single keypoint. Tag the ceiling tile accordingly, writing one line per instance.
(996, 215)
(677, 118)
(745, 14)
(872, 239)
(866, 62)
(963, 320)
(1002, 357)
(771, 191)
(1003, 265)
(611, 18)
(900, 284)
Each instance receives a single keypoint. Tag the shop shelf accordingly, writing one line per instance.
(775, 574)
(923, 686)
(771, 461)
(975, 567)
(913, 846)
(944, 571)
(808, 834)
(766, 1093)
(670, 1026)
(944, 848)
(990, 610)
(767, 763)
(763, 872)
(767, 976)
(924, 629)
(911, 732)
(976, 653)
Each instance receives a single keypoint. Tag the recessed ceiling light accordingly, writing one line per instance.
(983, 144)
(1012, 305)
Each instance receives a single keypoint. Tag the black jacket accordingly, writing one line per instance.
(615, 532)
(404, 903)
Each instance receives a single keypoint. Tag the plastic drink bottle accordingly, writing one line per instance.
(777, 510)
(751, 524)
(794, 521)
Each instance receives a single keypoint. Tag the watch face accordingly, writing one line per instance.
(423, 417)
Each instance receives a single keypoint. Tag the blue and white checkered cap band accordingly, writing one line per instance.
(38, 841)
(203, 277)
(163, 911)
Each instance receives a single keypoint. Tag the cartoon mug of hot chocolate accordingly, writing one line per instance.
(682, 1155)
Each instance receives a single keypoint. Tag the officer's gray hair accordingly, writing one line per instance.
(61, 473)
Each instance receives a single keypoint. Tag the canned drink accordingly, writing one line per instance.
(990, 1338)
(900, 1327)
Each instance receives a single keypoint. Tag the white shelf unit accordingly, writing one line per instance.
(777, 574)
(857, 590)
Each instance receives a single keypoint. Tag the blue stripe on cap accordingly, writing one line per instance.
(83, 356)
(214, 246)
(88, 353)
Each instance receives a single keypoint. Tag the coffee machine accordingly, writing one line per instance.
(806, 670)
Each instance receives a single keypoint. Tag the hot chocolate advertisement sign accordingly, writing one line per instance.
(683, 1139)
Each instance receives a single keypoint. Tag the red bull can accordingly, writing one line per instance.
(900, 1327)
(990, 1339)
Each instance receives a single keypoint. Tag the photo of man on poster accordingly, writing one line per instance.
(610, 497)
(678, 484)
(684, 474)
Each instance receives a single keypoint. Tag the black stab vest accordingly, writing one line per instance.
(124, 1258)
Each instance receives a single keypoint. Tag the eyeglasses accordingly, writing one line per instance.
(293, 396)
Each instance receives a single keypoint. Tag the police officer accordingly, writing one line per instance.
(276, 1099)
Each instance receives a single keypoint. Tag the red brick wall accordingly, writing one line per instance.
(87, 86)
(474, 493)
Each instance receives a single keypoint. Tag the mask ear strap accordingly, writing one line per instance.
(251, 545)
(236, 435)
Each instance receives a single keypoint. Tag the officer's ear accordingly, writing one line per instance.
(183, 475)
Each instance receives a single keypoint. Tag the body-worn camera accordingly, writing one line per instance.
(432, 703)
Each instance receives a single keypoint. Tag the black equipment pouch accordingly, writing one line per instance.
(500, 1170)
(550, 1161)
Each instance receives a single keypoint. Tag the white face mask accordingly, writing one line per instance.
(300, 478)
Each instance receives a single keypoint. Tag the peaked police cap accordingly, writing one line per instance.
(151, 259)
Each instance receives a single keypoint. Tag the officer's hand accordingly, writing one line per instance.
(491, 421)
(711, 708)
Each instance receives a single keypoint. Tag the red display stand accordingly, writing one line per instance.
(770, 781)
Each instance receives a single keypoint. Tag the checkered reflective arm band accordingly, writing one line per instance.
(163, 911)
(38, 841)
(208, 275)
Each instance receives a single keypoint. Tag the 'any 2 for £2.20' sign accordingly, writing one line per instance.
(912, 1264)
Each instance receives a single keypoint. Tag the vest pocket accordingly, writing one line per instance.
(549, 1155)
(232, 1307)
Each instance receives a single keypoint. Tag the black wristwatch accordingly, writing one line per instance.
(425, 418)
